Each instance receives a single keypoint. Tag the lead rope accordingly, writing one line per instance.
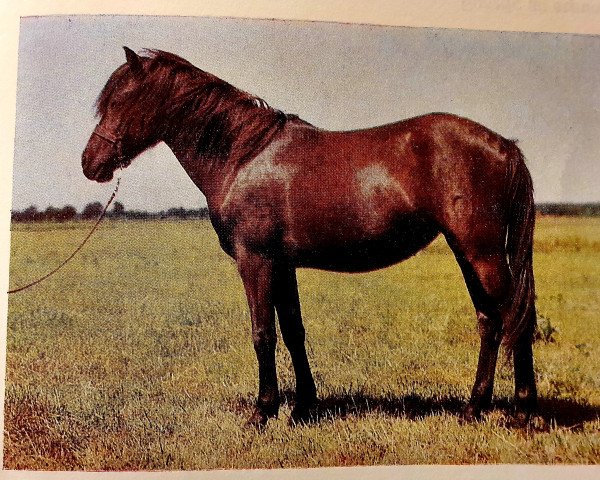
(39, 280)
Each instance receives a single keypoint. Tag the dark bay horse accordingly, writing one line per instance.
(284, 194)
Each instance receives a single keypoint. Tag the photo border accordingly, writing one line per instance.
(557, 16)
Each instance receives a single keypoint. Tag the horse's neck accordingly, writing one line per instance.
(207, 174)
(209, 171)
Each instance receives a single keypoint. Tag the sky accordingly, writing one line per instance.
(542, 89)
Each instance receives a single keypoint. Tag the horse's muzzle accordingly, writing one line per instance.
(99, 171)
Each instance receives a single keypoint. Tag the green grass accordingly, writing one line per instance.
(138, 355)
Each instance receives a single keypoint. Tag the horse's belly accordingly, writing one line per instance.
(348, 253)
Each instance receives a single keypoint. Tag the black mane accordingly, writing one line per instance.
(193, 105)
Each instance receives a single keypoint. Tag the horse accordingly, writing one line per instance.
(283, 194)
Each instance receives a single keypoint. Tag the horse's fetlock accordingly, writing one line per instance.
(523, 394)
(269, 407)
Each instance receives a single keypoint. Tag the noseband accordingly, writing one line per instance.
(115, 141)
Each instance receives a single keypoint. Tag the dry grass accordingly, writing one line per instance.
(138, 356)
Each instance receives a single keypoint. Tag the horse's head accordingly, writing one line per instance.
(127, 126)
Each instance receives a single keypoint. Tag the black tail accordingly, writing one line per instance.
(520, 323)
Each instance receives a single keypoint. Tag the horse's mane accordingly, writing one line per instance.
(220, 120)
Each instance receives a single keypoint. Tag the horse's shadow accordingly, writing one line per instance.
(554, 411)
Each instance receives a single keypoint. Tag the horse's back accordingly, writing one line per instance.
(365, 199)
(422, 163)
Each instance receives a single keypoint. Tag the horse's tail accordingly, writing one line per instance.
(520, 321)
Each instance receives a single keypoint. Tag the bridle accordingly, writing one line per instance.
(115, 140)
(117, 144)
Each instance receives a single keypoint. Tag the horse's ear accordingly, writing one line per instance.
(135, 64)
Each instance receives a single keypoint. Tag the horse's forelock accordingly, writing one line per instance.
(159, 67)
(111, 85)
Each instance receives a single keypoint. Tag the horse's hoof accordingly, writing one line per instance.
(258, 420)
(520, 418)
(303, 415)
(470, 414)
(528, 419)
(538, 423)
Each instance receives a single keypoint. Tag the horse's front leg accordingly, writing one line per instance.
(287, 304)
(257, 276)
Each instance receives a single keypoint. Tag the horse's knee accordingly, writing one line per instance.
(489, 326)
(264, 340)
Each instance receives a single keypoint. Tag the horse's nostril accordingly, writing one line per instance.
(87, 166)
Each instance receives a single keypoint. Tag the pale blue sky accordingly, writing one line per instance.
(543, 89)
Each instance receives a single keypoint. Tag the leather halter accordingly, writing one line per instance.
(115, 141)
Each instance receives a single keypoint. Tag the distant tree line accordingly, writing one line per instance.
(569, 209)
(94, 209)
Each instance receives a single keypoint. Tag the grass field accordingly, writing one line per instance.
(138, 356)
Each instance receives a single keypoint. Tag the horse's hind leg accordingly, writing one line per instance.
(525, 389)
(488, 280)
(287, 304)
